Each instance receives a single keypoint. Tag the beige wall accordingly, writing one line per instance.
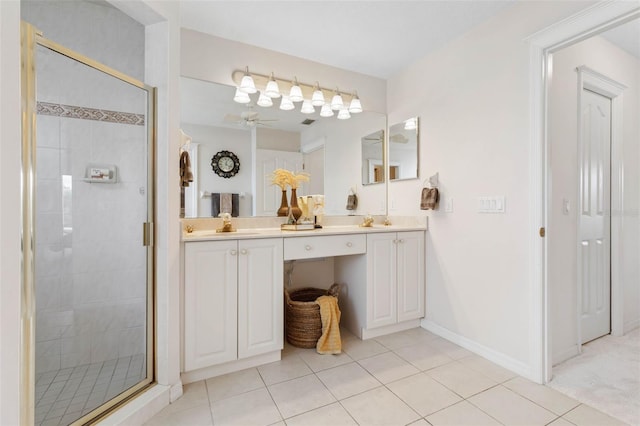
(472, 97)
(279, 140)
(605, 58)
(214, 59)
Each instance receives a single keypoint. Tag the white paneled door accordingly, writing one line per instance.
(268, 196)
(594, 256)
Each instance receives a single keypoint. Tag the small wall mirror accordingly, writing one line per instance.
(403, 149)
(373, 158)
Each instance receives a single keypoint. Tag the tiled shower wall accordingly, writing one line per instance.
(90, 262)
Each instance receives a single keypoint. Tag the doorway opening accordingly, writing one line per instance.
(592, 171)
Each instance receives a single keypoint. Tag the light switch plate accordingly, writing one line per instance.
(491, 204)
(448, 205)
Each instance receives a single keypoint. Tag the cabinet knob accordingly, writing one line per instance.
(233, 252)
(349, 244)
(307, 247)
(243, 251)
(395, 241)
(401, 241)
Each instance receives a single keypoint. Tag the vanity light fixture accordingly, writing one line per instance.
(241, 97)
(336, 101)
(264, 100)
(411, 124)
(326, 111)
(355, 107)
(344, 114)
(286, 104)
(317, 99)
(307, 107)
(272, 90)
(247, 85)
(311, 95)
(296, 92)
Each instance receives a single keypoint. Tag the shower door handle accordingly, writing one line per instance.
(147, 234)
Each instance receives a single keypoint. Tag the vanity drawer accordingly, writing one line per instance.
(324, 246)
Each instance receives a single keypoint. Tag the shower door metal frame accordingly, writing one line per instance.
(30, 38)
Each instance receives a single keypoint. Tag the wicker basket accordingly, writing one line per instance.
(302, 313)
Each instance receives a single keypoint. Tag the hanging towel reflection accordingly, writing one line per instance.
(185, 169)
(225, 203)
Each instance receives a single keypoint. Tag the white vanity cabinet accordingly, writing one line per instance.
(385, 289)
(395, 278)
(233, 305)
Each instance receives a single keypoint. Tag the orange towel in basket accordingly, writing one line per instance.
(329, 343)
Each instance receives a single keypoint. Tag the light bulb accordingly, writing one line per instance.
(241, 97)
(296, 92)
(326, 111)
(264, 100)
(317, 99)
(247, 85)
(286, 104)
(355, 106)
(344, 114)
(336, 102)
(411, 124)
(272, 90)
(307, 108)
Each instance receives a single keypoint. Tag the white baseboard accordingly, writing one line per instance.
(140, 409)
(229, 367)
(499, 358)
(175, 392)
(630, 325)
(564, 355)
(388, 329)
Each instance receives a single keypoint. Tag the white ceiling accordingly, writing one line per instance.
(376, 38)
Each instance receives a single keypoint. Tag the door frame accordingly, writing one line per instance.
(593, 81)
(582, 25)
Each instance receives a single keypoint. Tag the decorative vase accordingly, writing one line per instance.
(284, 206)
(295, 210)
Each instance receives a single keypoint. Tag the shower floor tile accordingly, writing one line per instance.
(65, 395)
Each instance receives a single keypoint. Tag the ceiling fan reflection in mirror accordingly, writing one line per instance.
(247, 119)
(379, 136)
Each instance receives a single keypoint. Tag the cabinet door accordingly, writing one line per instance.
(210, 297)
(410, 258)
(381, 280)
(260, 296)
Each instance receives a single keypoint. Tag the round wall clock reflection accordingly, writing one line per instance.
(225, 164)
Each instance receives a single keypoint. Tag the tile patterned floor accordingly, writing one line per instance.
(63, 396)
(407, 378)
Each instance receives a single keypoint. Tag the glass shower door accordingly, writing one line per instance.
(93, 263)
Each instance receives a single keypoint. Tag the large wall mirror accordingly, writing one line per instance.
(267, 138)
(403, 149)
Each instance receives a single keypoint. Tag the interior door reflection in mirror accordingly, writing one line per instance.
(403, 149)
(373, 158)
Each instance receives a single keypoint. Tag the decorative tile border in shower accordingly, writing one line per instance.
(71, 111)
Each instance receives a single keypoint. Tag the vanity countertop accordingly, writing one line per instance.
(251, 233)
